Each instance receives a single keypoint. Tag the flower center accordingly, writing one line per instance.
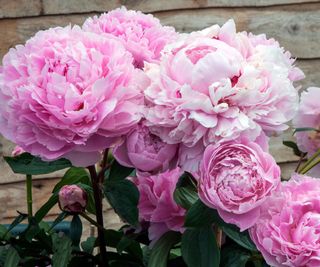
(195, 54)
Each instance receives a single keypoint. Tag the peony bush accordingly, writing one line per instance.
(172, 130)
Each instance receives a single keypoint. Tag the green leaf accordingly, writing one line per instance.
(20, 218)
(28, 164)
(305, 129)
(242, 238)
(12, 258)
(4, 235)
(89, 244)
(199, 247)
(112, 237)
(123, 196)
(233, 256)
(43, 211)
(129, 245)
(160, 251)
(76, 230)
(73, 176)
(122, 263)
(119, 172)
(59, 219)
(294, 147)
(199, 215)
(62, 248)
(185, 193)
(32, 230)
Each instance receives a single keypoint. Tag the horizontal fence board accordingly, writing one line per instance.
(296, 27)
(20, 8)
(311, 68)
(23, 8)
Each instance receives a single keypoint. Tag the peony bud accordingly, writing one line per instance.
(17, 151)
(72, 198)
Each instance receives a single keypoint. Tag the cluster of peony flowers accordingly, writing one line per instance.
(165, 102)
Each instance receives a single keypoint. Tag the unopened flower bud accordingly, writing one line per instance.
(72, 198)
(17, 151)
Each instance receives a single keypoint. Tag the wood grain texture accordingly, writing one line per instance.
(296, 27)
(84, 6)
(26, 8)
(19, 8)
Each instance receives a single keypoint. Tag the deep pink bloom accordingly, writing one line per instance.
(235, 179)
(68, 92)
(72, 198)
(142, 35)
(190, 157)
(287, 232)
(145, 151)
(157, 205)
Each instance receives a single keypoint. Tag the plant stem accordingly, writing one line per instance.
(314, 156)
(98, 204)
(302, 156)
(105, 158)
(29, 195)
(310, 166)
(90, 220)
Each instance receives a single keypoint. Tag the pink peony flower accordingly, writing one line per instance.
(72, 198)
(142, 35)
(308, 116)
(235, 179)
(207, 90)
(157, 205)
(287, 232)
(189, 158)
(250, 44)
(68, 92)
(145, 151)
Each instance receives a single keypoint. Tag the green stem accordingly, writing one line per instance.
(310, 166)
(29, 195)
(309, 162)
(92, 221)
(97, 194)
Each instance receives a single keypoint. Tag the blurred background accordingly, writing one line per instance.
(294, 23)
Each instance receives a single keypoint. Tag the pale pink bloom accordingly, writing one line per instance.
(235, 179)
(67, 92)
(308, 116)
(17, 151)
(157, 205)
(142, 35)
(287, 232)
(72, 198)
(249, 44)
(145, 151)
(207, 89)
(189, 98)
